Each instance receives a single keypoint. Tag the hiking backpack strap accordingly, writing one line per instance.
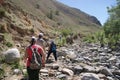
(34, 53)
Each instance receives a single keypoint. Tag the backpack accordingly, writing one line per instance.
(40, 42)
(53, 47)
(36, 60)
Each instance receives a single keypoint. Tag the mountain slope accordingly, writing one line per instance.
(46, 10)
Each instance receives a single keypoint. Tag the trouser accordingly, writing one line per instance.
(33, 74)
(54, 53)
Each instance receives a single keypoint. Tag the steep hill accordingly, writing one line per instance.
(57, 14)
(20, 19)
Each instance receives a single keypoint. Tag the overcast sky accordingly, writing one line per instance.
(97, 8)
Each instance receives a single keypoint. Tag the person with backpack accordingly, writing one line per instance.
(41, 41)
(52, 49)
(35, 59)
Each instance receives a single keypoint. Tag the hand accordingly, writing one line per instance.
(24, 62)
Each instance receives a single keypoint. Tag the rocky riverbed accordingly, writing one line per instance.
(78, 62)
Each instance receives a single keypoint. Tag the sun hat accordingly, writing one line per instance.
(40, 34)
(33, 39)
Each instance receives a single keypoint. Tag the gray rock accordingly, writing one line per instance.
(89, 76)
(17, 71)
(116, 72)
(44, 71)
(88, 68)
(77, 70)
(94, 49)
(109, 78)
(117, 54)
(71, 55)
(105, 71)
(62, 77)
(12, 55)
(55, 66)
(67, 71)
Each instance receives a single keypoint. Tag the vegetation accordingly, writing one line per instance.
(32, 30)
(2, 72)
(15, 65)
(8, 44)
(66, 32)
(57, 13)
(110, 35)
(2, 12)
(112, 26)
(61, 41)
(37, 6)
(8, 40)
(50, 14)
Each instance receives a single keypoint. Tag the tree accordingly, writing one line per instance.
(112, 26)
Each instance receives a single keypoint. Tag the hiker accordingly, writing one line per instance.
(52, 49)
(40, 41)
(33, 74)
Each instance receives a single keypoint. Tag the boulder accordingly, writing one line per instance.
(55, 66)
(105, 71)
(17, 71)
(12, 55)
(71, 55)
(89, 76)
(44, 71)
(77, 70)
(67, 71)
(62, 76)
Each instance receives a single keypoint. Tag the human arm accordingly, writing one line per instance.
(43, 57)
(25, 57)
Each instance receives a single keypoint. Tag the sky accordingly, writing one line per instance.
(97, 8)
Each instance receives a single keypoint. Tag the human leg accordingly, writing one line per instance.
(33, 74)
(55, 55)
(49, 52)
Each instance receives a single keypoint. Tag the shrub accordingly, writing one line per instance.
(32, 30)
(66, 32)
(37, 6)
(57, 13)
(2, 72)
(8, 44)
(50, 14)
(61, 42)
(2, 12)
(15, 65)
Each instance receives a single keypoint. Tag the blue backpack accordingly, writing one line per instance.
(53, 46)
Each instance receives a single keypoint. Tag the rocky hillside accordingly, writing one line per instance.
(20, 19)
(57, 14)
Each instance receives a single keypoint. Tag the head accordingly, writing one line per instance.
(52, 41)
(33, 41)
(40, 35)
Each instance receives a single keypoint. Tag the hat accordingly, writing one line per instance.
(33, 39)
(41, 34)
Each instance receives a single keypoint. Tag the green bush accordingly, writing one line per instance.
(50, 14)
(2, 12)
(61, 42)
(57, 13)
(2, 72)
(65, 32)
(2, 59)
(15, 65)
(8, 44)
(32, 30)
(90, 39)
